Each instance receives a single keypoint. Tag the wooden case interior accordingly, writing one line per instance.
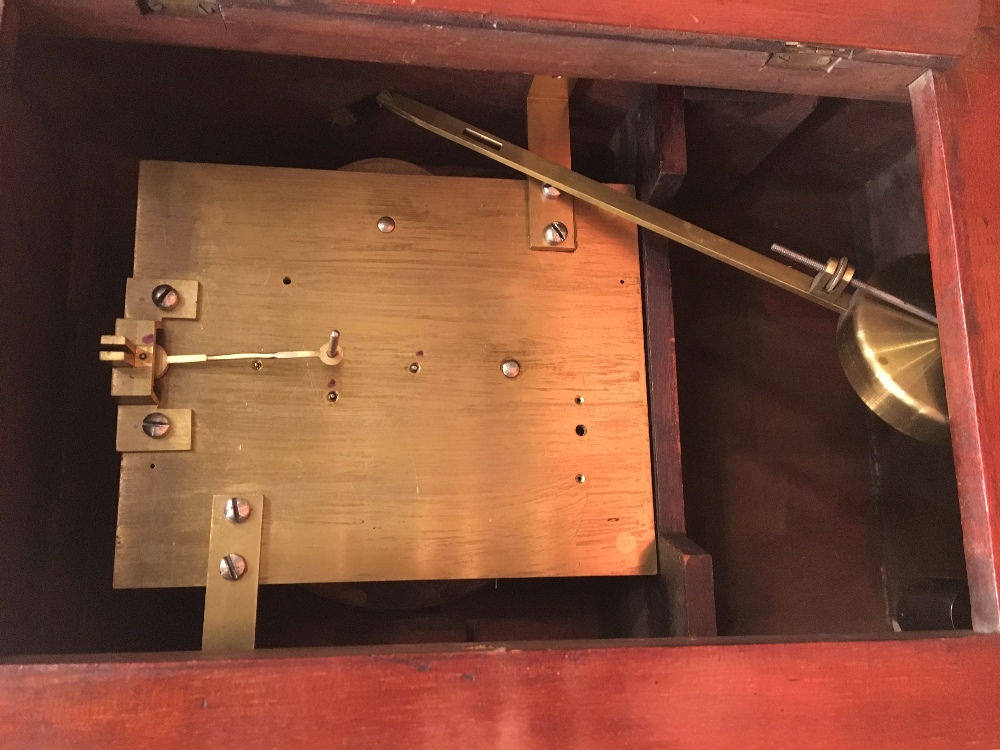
(802, 498)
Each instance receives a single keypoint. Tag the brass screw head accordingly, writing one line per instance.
(156, 425)
(232, 566)
(165, 297)
(386, 224)
(511, 368)
(236, 510)
(555, 233)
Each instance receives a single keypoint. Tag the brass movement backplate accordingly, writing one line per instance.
(489, 417)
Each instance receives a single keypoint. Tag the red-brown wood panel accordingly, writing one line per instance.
(908, 694)
(928, 26)
(475, 42)
(957, 117)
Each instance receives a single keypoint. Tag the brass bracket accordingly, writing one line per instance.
(551, 218)
(132, 354)
(148, 429)
(233, 573)
(139, 299)
(206, 9)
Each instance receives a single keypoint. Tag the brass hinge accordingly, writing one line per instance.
(809, 57)
(206, 9)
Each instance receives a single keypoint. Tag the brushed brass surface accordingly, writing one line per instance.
(548, 136)
(230, 622)
(892, 358)
(131, 439)
(138, 303)
(451, 471)
(610, 200)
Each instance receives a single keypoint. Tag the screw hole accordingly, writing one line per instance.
(287, 280)
(152, 466)
(580, 479)
(621, 281)
(581, 430)
(332, 397)
(256, 364)
(578, 399)
(414, 367)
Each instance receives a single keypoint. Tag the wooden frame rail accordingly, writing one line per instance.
(935, 692)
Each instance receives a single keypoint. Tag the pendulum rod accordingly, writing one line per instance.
(625, 206)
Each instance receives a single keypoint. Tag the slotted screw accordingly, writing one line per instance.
(165, 297)
(555, 233)
(237, 510)
(155, 425)
(232, 566)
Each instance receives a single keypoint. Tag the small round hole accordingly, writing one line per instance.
(581, 430)
(580, 479)
(256, 364)
(287, 280)
(621, 281)
(332, 397)
(578, 399)
(152, 466)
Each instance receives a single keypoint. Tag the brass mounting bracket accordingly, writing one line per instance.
(137, 359)
(139, 299)
(149, 429)
(132, 352)
(551, 218)
(233, 573)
